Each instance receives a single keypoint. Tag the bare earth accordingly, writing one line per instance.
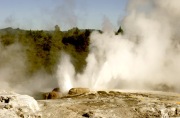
(113, 104)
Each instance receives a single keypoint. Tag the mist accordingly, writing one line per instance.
(65, 14)
(13, 72)
(146, 56)
(14, 60)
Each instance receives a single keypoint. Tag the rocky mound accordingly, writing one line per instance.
(54, 94)
(13, 105)
(76, 91)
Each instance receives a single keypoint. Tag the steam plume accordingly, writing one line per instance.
(65, 13)
(146, 55)
(65, 73)
(13, 73)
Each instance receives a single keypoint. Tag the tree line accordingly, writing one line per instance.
(43, 48)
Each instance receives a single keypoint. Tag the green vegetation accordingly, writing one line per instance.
(76, 44)
(43, 48)
(120, 31)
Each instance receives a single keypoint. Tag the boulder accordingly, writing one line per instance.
(54, 94)
(76, 91)
(13, 105)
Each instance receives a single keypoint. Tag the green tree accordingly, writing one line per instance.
(8, 38)
(56, 47)
(120, 31)
(76, 44)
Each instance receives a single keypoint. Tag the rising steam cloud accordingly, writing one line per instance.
(65, 13)
(146, 55)
(13, 75)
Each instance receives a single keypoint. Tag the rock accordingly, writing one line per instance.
(149, 111)
(75, 91)
(8, 106)
(14, 105)
(102, 93)
(88, 114)
(115, 93)
(172, 111)
(53, 95)
(56, 89)
(178, 110)
(164, 113)
(92, 96)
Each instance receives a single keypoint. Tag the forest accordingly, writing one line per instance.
(43, 48)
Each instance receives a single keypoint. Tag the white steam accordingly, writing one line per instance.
(13, 75)
(147, 54)
(65, 73)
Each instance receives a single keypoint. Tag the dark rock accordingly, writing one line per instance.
(102, 93)
(56, 89)
(92, 96)
(4, 99)
(51, 95)
(8, 106)
(88, 115)
(115, 93)
(7, 100)
(54, 95)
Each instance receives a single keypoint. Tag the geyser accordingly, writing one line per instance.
(146, 55)
(65, 73)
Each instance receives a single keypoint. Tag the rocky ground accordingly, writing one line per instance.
(112, 104)
(85, 103)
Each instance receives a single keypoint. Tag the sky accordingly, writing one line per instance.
(45, 14)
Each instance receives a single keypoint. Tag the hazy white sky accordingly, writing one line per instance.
(44, 14)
